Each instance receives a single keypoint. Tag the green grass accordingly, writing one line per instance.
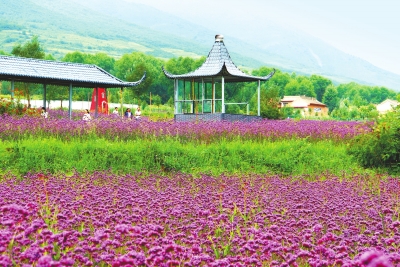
(287, 157)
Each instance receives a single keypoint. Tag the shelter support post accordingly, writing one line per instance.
(258, 99)
(122, 105)
(44, 95)
(223, 94)
(70, 101)
(202, 95)
(213, 96)
(12, 89)
(176, 95)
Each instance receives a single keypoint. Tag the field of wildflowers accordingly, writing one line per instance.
(34, 144)
(102, 219)
(110, 127)
(127, 217)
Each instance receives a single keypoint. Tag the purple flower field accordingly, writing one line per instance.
(102, 219)
(110, 127)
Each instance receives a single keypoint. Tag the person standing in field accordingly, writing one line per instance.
(115, 112)
(128, 113)
(86, 116)
(138, 113)
(44, 113)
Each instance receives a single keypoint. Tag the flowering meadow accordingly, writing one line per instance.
(103, 219)
(116, 192)
(35, 144)
(111, 127)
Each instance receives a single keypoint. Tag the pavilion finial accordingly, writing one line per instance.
(219, 38)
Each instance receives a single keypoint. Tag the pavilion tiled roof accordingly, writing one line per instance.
(59, 73)
(218, 63)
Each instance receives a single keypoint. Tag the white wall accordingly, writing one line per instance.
(79, 105)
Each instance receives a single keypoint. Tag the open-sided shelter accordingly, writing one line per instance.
(201, 100)
(28, 70)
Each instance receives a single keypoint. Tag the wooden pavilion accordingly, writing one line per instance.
(202, 100)
(28, 70)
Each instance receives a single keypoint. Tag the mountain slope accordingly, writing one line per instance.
(118, 27)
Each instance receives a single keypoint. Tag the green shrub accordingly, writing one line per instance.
(381, 147)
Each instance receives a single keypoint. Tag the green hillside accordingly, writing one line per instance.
(68, 30)
(63, 27)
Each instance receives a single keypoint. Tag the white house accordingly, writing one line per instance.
(387, 105)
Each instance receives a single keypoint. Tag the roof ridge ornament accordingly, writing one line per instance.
(219, 38)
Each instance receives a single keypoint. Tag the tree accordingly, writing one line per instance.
(270, 103)
(292, 88)
(75, 57)
(320, 84)
(331, 97)
(306, 88)
(31, 49)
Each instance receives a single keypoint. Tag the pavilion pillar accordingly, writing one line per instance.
(223, 94)
(96, 99)
(213, 96)
(44, 95)
(193, 109)
(176, 95)
(70, 101)
(202, 95)
(122, 104)
(12, 89)
(258, 99)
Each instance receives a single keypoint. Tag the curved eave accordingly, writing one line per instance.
(223, 72)
(66, 82)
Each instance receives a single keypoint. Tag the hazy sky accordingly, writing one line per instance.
(363, 28)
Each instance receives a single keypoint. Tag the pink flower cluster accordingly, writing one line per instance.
(103, 219)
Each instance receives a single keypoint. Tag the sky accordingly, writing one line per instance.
(363, 28)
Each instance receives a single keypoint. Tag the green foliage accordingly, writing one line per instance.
(170, 155)
(101, 60)
(156, 100)
(320, 85)
(270, 103)
(31, 49)
(381, 147)
(330, 97)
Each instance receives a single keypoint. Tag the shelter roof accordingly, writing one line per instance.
(58, 73)
(217, 64)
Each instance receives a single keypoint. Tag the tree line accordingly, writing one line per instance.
(345, 101)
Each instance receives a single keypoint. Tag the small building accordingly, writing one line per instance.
(308, 106)
(387, 105)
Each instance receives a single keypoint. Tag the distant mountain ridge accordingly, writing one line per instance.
(119, 27)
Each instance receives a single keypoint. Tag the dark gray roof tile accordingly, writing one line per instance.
(218, 63)
(54, 72)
